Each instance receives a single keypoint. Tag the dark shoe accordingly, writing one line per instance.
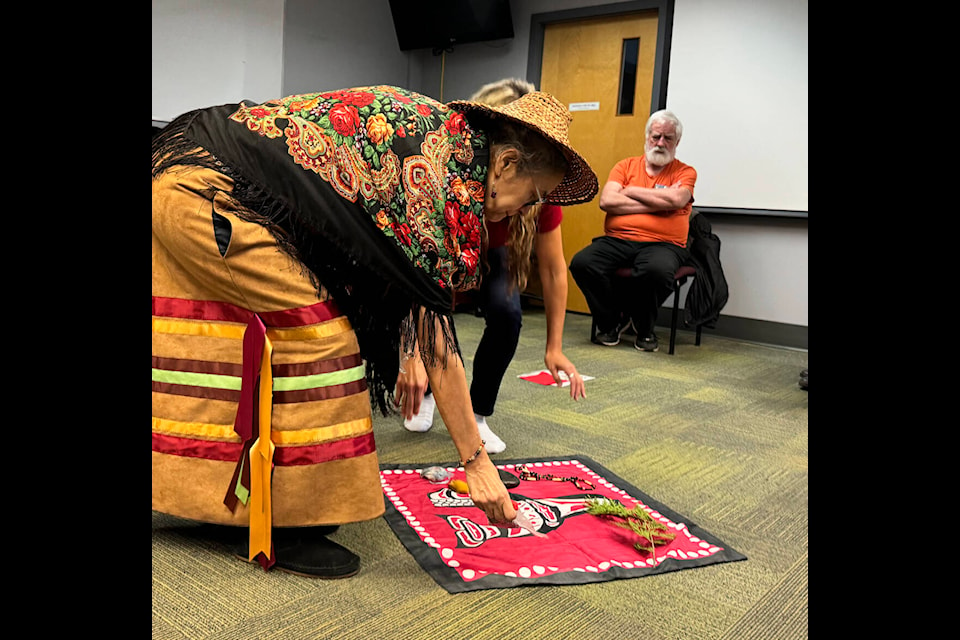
(304, 551)
(611, 338)
(647, 344)
(233, 536)
(803, 379)
(509, 480)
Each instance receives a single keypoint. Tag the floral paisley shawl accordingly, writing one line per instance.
(429, 203)
(377, 190)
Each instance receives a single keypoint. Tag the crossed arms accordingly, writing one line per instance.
(618, 200)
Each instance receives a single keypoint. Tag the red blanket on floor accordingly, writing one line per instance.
(453, 542)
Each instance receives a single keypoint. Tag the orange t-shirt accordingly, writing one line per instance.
(662, 226)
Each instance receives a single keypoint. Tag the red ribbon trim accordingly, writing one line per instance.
(213, 311)
(319, 366)
(321, 393)
(279, 397)
(288, 456)
(206, 393)
(198, 366)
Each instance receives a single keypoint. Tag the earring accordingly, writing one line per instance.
(493, 191)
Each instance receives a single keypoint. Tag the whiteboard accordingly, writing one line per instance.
(738, 83)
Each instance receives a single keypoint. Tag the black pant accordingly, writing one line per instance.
(503, 317)
(652, 264)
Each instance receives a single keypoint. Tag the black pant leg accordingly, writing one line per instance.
(501, 334)
(654, 266)
(592, 268)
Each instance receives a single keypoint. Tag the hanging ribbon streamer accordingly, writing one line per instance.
(261, 470)
(252, 475)
(245, 423)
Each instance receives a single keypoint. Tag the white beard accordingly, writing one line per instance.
(659, 157)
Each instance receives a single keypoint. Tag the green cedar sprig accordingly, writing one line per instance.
(650, 532)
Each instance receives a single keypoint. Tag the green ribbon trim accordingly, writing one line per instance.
(212, 380)
(291, 383)
(299, 383)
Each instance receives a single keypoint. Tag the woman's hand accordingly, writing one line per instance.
(487, 490)
(448, 383)
(412, 382)
(557, 362)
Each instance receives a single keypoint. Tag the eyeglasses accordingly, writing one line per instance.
(540, 199)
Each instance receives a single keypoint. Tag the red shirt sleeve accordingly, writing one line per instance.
(497, 233)
(549, 219)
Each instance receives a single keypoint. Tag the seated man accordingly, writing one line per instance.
(647, 200)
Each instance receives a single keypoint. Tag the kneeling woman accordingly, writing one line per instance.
(302, 249)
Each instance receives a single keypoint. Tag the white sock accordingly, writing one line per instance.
(494, 444)
(424, 418)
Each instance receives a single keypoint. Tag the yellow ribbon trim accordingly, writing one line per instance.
(226, 433)
(324, 434)
(199, 328)
(202, 430)
(261, 465)
(235, 331)
(323, 330)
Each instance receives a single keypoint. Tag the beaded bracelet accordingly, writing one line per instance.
(464, 463)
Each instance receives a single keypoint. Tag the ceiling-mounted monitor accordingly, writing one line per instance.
(436, 24)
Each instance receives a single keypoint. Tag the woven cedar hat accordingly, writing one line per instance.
(548, 116)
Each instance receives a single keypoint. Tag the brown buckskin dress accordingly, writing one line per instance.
(262, 412)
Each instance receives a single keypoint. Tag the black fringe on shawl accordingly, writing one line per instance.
(381, 315)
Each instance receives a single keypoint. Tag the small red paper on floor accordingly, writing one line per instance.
(543, 377)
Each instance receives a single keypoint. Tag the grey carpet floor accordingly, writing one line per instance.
(717, 433)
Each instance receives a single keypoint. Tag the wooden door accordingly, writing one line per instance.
(582, 67)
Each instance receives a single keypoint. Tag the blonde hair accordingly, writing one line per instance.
(501, 92)
(522, 230)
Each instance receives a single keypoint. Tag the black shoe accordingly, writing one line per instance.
(611, 338)
(305, 551)
(803, 380)
(647, 344)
